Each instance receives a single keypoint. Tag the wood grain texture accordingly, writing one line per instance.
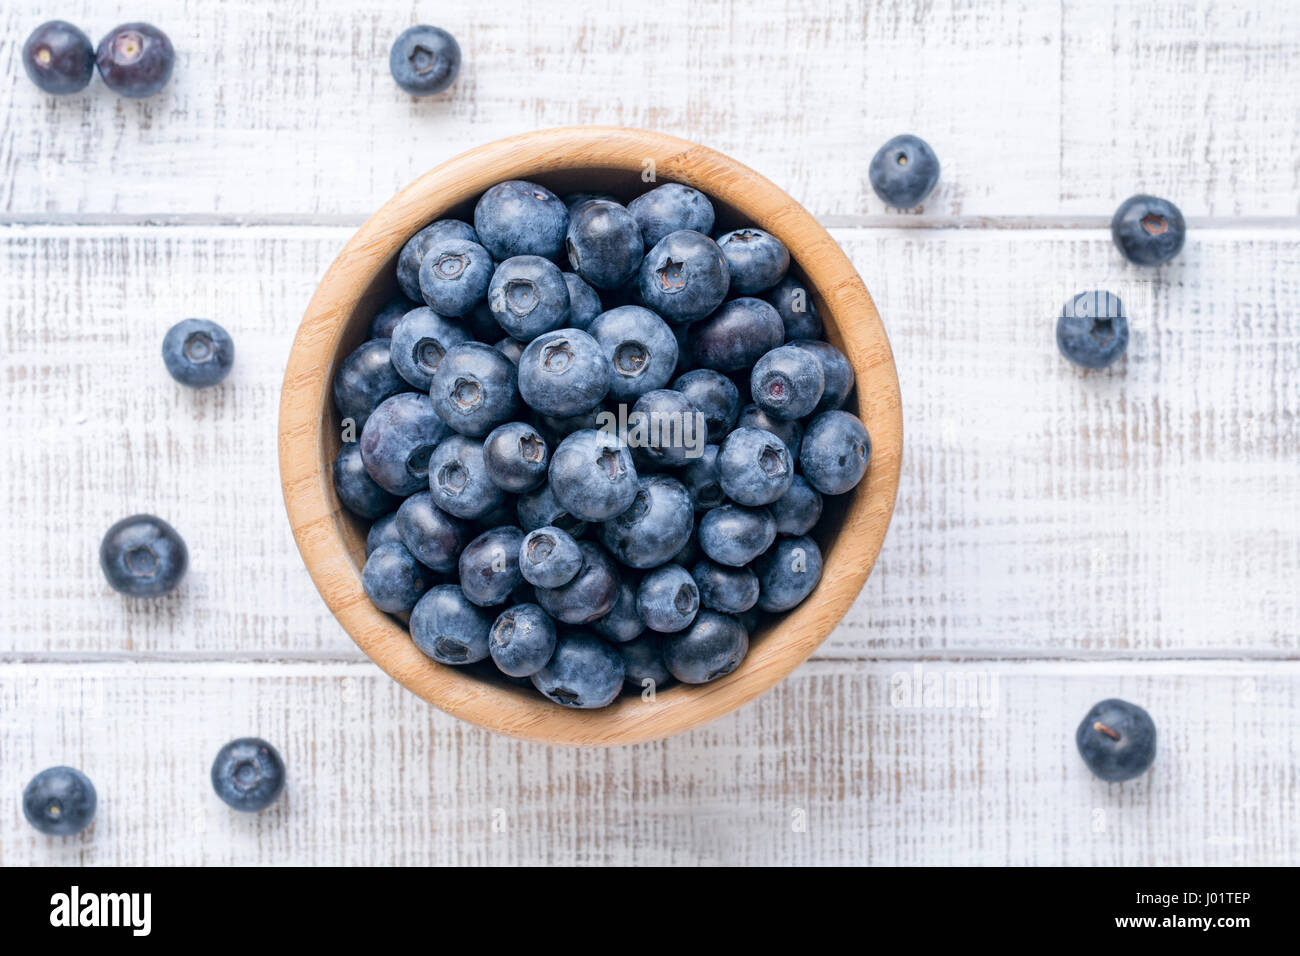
(1035, 109)
(828, 768)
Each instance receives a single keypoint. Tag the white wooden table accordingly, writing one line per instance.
(1059, 537)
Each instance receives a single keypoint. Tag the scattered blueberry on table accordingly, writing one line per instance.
(248, 774)
(135, 60)
(59, 801)
(1117, 740)
(424, 60)
(598, 454)
(143, 556)
(904, 171)
(59, 58)
(1148, 231)
(198, 352)
(1093, 329)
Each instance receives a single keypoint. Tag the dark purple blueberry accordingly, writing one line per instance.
(540, 509)
(729, 590)
(572, 200)
(1117, 740)
(799, 509)
(393, 579)
(528, 296)
(384, 530)
(517, 218)
(835, 452)
(419, 342)
(135, 60)
(837, 372)
(684, 277)
(584, 302)
(735, 535)
(756, 259)
(1149, 231)
(787, 382)
(654, 527)
(904, 171)
(489, 566)
(458, 479)
(643, 661)
(59, 58)
(397, 441)
(733, 338)
(715, 395)
(412, 255)
(666, 429)
(474, 389)
(592, 475)
(143, 556)
(357, 491)
(512, 349)
(549, 557)
(711, 648)
(59, 801)
(454, 275)
(424, 60)
(448, 627)
(433, 536)
(670, 208)
(754, 467)
(622, 623)
(198, 352)
(787, 573)
(364, 379)
(248, 774)
(522, 640)
(793, 302)
(640, 348)
(790, 432)
(1093, 329)
(564, 373)
(702, 481)
(591, 593)
(386, 319)
(583, 673)
(517, 458)
(603, 243)
(668, 599)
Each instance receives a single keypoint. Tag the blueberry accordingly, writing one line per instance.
(1093, 329)
(424, 60)
(592, 475)
(549, 557)
(393, 579)
(135, 60)
(640, 348)
(685, 360)
(357, 491)
(689, 552)
(516, 218)
(756, 259)
(583, 673)
(564, 373)
(539, 509)
(364, 379)
(790, 432)
(419, 342)
(702, 481)
(58, 58)
(798, 510)
(512, 349)
(474, 389)
(483, 324)
(143, 556)
(198, 352)
(412, 255)
(729, 590)
(555, 430)
(794, 304)
(386, 319)
(735, 535)
(489, 566)
(643, 660)
(603, 243)
(835, 452)
(397, 441)
(787, 382)
(502, 513)
(622, 622)
(433, 536)
(573, 200)
(1149, 231)
(666, 429)
(788, 572)
(448, 627)
(684, 277)
(837, 372)
(522, 640)
(459, 481)
(59, 801)
(737, 335)
(584, 302)
(716, 397)
(754, 467)
(516, 457)
(713, 647)
(248, 774)
(670, 208)
(528, 296)
(591, 593)
(903, 171)
(454, 275)
(668, 599)
(654, 527)
(384, 530)
(1117, 740)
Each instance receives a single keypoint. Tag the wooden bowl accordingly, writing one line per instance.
(362, 279)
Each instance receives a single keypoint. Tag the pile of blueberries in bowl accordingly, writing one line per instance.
(593, 440)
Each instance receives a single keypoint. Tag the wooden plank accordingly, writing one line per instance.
(1146, 510)
(827, 768)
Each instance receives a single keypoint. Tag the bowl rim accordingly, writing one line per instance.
(315, 515)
